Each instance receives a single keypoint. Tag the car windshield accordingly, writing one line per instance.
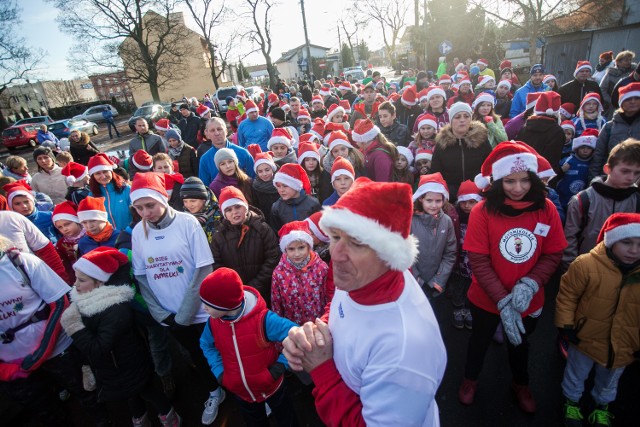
(11, 132)
(56, 126)
(144, 111)
(230, 91)
(31, 120)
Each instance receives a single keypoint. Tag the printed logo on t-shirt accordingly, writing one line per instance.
(518, 245)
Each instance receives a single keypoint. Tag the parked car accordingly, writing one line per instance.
(17, 136)
(94, 114)
(254, 92)
(63, 128)
(150, 113)
(354, 73)
(37, 120)
(223, 92)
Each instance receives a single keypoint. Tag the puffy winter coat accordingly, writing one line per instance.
(459, 159)
(297, 209)
(546, 136)
(110, 342)
(612, 134)
(188, 163)
(251, 249)
(437, 248)
(602, 306)
(51, 183)
(83, 150)
(397, 134)
(610, 79)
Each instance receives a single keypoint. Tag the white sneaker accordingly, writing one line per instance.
(211, 406)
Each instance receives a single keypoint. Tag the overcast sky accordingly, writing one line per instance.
(41, 30)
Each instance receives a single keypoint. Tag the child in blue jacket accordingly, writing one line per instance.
(576, 166)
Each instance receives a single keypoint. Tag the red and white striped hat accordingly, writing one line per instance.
(92, 209)
(65, 211)
(101, 263)
(100, 162)
(295, 231)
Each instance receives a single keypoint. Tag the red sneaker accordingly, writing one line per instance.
(524, 397)
(467, 391)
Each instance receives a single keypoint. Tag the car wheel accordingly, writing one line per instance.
(32, 143)
(95, 130)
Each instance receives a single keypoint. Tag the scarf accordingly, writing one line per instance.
(516, 207)
(384, 289)
(601, 67)
(264, 186)
(174, 153)
(209, 209)
(302, 264)
(103, 235)
(73, 240)
(616, 194)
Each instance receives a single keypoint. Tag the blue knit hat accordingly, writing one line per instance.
(173, 134)
(536, 68)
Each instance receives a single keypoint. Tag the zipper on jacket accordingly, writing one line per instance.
(108, 200)
(235, 346)
(462, 154)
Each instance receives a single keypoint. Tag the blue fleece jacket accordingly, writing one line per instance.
(87, 244)
(117, 205)
(519, 102)
(255, 132)
(208, 169)
(42, 220)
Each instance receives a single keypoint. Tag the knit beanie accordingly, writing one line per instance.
(43, 151)
(194, 188)
(173, 134)
(222, 290)
(225, 154)
(278, 113)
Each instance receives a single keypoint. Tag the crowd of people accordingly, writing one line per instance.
(310, 232)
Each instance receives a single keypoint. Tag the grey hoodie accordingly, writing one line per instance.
(437, 248)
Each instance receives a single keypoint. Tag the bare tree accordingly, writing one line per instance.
(536, 18)
(390, 17)
(59, 93)
(145, 35)
(17, 60)
(208, 16)
(259, 13)
(351, 27)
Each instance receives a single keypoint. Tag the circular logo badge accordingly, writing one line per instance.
(576, 186)
(518, 245)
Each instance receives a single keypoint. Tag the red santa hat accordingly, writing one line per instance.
(505, 64)
(459, 107)
(231, 196)
(422, 95)
(483, 80)
(548, 78)
(468, 190)
(309, 137)
(74, 172)
(279, 136)
(619, 226)
(547, 104)
(394, 97)
(423, 154)
(18, 188)
(314, 226)
(409, 96)
(344, 103)
(149, 184)
(463, 79)
(295, 231)
(303, 113)
(65, 211)
(254, 150)
(294, 176)
(506, 83)
(568, 124)
(101, 263)
(202, 110)
(506, 158)
(142, 160)
(273, 98)
(318, 128)
(325, 90)
(436, 90)
(170, 180)
(363, 213)
(404, 151)
(163, 125)
(582, 65)
(317, 99)
(345, 85)
(100, 162)
(308, 150)
(567, 109)
(434, 183)
(364, 131)
(222, 290)
(545, 171)
(632, 90)
(532, 98)
(483, 97)
(250, 107)
(588, 138)
(92, 209)
(591, 96)
(333, 110)
(444, 79)
(427, 120)
(342, 166)
(337, 137)
(482, 61)
(264, 158)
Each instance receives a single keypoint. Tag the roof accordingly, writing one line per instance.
(286, 56)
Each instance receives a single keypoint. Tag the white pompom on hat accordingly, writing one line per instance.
(433, 182)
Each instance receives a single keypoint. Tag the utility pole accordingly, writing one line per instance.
(424, 23)
(306, 38)
(339, 50)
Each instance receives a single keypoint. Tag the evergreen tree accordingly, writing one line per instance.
(347, 56)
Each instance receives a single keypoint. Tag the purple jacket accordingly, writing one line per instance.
(221, 181)
(514, 126)
(378, 163)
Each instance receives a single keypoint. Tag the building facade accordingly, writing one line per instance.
(293, 63)
(110, 85)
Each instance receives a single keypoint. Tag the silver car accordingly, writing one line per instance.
(94, 114)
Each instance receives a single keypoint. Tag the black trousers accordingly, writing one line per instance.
(484, 326)
(36, 395)
(150, 393)
(189, 337)
(255, 414)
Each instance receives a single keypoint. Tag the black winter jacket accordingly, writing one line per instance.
(253, 256)
(574, 91)
(546, 136)
(397, 134)
(298, 209)
(406, 116)
(189, 127)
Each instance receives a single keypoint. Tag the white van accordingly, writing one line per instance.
(223, 92)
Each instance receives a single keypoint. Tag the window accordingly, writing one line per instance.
(99, 82)
(26, 98)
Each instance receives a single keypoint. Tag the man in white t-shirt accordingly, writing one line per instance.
(381, 358)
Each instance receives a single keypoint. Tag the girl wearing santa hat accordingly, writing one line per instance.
(100, 320)
(338, 145)
(589, 115)
(21, 199)
(263, 193)
(104, 182)
(65, 218)
(515, 243)
(309, 159)
(342, 178)
(483, 112)
(425, 137)
(77, 177)
(94, 219)
(171, 257)
(403, 167)
(379, 153)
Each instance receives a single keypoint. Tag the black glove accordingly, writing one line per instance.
(277, 370)
(570, 335)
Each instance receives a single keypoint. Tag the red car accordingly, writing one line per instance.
(16, 136)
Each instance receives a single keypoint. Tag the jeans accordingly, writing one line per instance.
(484, 326)
(459, 287)
(152, 395)
(578, 367)
(111, 123)
(159, 342)
(255, 415)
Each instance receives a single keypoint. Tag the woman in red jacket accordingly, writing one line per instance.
(515, 242)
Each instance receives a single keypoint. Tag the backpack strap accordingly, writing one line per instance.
(583, 203)
(14, 256)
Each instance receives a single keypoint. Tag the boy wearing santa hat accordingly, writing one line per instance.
(99, 231)
(21, 199)
(575, 90)
(295, 202)
(576, 166)
(596, 308)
